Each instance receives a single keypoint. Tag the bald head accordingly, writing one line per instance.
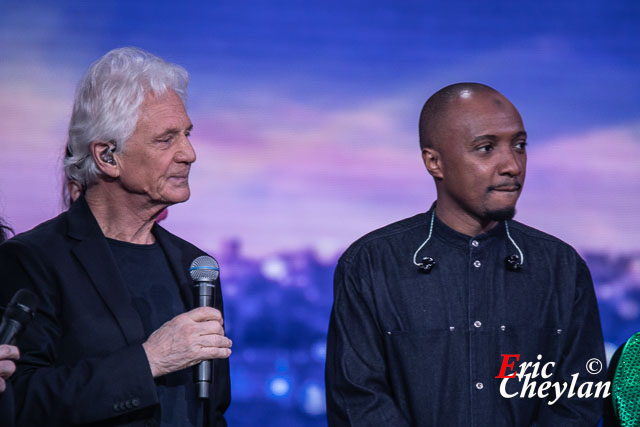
(436, 111)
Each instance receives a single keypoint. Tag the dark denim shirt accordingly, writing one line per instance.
(407, 348)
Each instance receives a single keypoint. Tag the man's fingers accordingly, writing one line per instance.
(217, 353)
(219, 341)
(211, 327)
(7, 368)
(203, 314)
(9, 352)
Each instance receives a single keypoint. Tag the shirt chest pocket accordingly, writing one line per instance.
(421, 305)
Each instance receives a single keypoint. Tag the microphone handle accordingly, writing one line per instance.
(205, 378)
(9, 329)
(204, 372)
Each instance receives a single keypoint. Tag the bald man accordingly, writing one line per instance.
(461, 316)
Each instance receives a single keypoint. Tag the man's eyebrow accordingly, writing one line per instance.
(173, 131)
(483, 137)
(490, 137)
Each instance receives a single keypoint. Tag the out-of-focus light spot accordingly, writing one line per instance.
(312, 294)
(279, 387)
(230, 289)
(314, 399)
(628, 309)
(607, 292)
(319, 351)
(274, 269)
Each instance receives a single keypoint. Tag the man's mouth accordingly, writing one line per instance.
(180, 178)
(183, 175)
(506, 188)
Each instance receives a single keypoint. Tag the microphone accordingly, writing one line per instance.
(204, 271)
(19, 312)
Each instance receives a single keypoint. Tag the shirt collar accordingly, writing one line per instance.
(448, 234)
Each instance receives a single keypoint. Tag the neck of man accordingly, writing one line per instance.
(460, 220)
(122, 215)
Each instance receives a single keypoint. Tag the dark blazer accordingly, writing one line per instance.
(82, 361)
(7, 407)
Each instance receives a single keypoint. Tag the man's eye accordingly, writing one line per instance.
(485, 148)
(165, 139)
(521, 145)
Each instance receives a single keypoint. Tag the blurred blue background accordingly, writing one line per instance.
(305, 119)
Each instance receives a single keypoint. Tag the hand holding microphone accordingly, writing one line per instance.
(19, 312)
(191, 337)
(186, 340)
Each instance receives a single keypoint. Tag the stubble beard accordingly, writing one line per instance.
(501, 214)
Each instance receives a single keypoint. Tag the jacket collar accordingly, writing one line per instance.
(93, 253)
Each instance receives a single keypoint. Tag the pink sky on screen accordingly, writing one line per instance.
(290, 177)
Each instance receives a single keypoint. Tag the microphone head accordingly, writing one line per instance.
(22, 306)
(204, 269)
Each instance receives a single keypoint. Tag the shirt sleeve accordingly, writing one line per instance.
(48, 392)
(358, 392)
(583, 342)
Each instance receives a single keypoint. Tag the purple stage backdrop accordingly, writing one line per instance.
(305, 119)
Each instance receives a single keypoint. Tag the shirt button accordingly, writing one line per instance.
(502, 327)
(479, 386)
(477, 264)
(559, 331)
(475, 243)
(452, 328)
(477, 323)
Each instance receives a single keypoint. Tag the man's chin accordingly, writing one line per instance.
(502, 214)
(177, 196)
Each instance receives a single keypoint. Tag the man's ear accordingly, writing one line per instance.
(103, 155)
(432, 162)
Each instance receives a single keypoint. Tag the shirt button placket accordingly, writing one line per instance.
(477, 324)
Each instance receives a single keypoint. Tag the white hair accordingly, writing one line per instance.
(107, 104)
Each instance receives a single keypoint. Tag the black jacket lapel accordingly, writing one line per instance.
(92, 250)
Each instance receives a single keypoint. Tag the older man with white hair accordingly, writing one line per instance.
(117, 325)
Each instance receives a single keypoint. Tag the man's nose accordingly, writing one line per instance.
(186, 153)
(512, 163)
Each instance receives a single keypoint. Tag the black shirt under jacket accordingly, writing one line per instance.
(407, 348)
